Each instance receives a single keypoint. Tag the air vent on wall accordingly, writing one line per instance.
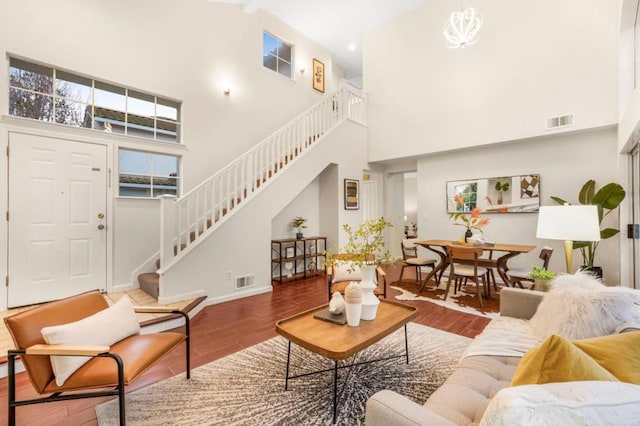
(244, 281)
(561, 121)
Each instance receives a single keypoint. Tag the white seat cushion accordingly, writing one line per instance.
(467, 270)
(420, 261)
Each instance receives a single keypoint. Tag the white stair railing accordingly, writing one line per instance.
(185, 221)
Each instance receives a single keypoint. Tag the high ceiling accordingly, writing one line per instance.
(337, 25)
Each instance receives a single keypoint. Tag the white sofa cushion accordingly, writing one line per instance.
(103, 328)
(346, 271)
(578, 306)
(568, 403)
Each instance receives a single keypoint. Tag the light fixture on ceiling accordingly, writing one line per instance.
(462, 28)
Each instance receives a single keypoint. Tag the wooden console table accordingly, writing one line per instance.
(293, 258)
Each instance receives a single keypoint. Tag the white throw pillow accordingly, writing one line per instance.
(567, 403)
(579, 307)
(103, 328)
(346, 271)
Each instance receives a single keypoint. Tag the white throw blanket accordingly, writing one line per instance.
(504, 336)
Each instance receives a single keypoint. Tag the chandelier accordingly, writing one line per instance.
(462, 28)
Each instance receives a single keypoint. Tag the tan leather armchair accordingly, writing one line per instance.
(110, 367)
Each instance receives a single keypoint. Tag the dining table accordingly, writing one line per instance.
(506, 251)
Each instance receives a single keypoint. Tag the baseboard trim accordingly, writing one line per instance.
(238, 295)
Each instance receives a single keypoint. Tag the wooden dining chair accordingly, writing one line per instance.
(410, 259)
(519, 276)
(463, 266)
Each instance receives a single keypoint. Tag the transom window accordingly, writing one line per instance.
(48, 94)
(147, 174)
(276, 54)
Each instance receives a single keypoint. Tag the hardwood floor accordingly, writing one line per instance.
(223, 329)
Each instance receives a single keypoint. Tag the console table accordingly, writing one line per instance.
(293, 258)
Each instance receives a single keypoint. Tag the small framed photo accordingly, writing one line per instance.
(318, 75)
(351, 194)
(289, 252)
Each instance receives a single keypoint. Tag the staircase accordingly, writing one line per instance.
(189, 220)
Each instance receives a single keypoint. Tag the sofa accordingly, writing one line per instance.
(479, 390)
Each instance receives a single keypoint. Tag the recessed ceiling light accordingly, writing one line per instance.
(352, 47)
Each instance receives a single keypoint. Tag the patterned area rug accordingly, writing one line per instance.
(247, 388)
(465, 301)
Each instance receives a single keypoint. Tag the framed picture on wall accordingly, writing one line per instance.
(318, 75)
(351, 194)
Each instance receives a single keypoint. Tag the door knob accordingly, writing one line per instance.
(100, 215)
(101, 226)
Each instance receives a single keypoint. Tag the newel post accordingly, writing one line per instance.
(168, 228)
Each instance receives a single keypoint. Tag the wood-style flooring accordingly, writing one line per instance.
(223, 329)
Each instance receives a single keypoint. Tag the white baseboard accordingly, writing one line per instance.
(238, 295)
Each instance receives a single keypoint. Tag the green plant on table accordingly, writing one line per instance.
(299, 223)
(540, 273)
(607, 199)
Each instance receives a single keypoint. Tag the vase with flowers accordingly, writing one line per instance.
(470, 221)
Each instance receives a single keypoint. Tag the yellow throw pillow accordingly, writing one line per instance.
(558, 360)
(618, 353)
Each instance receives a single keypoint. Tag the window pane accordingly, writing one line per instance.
(141, 127)
(269, 44)
(164, 165)
(109, 120)
(30, 105)
(166, 131)
(72, 113)
(167, 109)
(270, 62)
(284, 68)
(141, 104)
(109, 96)
(284, 52)
(30, 76)
(135, 162)
(73, 87)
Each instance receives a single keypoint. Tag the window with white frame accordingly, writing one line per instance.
(147, 174)
(276, 54)
(48, 94)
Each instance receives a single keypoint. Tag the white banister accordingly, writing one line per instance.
(189, 219)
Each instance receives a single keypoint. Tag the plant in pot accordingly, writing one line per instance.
(541, 277)
(468, 220)
(299, 223)
(607, 199)
(365, 249)
(501, 187)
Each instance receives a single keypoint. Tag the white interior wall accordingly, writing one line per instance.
(564, 163)
(187, 51)
(307, 205)
(533, 60)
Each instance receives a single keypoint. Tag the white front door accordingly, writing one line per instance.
(369, 200)
(57, 218)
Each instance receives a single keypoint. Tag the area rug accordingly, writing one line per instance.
(466, 300)
(247, 388)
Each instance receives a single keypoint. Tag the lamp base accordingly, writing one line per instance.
(568, 252)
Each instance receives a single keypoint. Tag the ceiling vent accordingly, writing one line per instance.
(245, 281)
(561, 121)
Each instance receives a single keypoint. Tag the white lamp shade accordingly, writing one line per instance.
(569, 223)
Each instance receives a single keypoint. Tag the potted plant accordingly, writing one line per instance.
(469, 221)
(365, 249)
(607, 199)
(299, 223)
(541, 277)
(501, 187)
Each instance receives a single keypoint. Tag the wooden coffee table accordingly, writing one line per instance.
(339, 342)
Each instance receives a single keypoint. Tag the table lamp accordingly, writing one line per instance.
(568, 223)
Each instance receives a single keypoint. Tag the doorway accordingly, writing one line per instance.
(57, 243)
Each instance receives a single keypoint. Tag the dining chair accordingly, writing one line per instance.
(463, 266)
(519, 276)
(341, 271)
(410, 259)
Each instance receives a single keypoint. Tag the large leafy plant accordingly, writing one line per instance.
(607, 199)
(366, 243)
